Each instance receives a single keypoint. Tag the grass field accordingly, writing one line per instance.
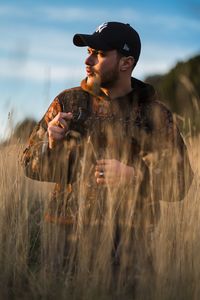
(24, 236)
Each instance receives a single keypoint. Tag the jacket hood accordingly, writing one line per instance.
(143, 92)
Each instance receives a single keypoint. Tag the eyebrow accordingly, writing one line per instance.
(95, 51)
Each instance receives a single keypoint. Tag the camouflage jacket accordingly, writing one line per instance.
(137, 130)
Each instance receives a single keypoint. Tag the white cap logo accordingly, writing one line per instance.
(101, 27)
(126, 47)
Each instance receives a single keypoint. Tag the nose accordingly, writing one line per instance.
(90, 60)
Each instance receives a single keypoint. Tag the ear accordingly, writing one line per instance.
(126, 63)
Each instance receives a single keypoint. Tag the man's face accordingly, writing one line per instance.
(102, 68)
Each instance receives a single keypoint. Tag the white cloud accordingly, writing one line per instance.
(61, 65)
(173, 22)
(67, 14)
(12, 10)
(34, 70)
(56, 13)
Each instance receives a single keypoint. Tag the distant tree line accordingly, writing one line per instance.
(21, 132)
(180, 90)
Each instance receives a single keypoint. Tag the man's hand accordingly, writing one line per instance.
(112, 171)
(58, 127)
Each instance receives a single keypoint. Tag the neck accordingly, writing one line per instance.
(120, 89)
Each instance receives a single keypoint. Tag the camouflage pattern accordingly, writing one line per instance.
(136, 129)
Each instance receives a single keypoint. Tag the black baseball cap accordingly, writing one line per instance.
(112, 36)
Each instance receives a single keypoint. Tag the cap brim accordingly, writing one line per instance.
(92, 41)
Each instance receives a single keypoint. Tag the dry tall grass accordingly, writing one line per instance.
(28, 255)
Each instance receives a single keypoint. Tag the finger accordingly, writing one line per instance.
(100, 174)
(67, 116)
(99, 168)
(62, 123)
(106, 181)
(61, 115)
(56, 136)
(64, 115)
(102, 161)
(58, 126)
(56, 129)
(108, 169)
(101, 180)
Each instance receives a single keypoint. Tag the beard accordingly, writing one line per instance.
(110, 78)
(94, 83)
(105, 80)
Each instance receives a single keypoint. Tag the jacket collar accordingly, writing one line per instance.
(141, 92)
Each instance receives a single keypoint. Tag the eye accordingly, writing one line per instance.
(96, 52)
(92, 51)
(101, 53)
(88, 51)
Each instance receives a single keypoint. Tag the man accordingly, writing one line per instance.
(114, 152)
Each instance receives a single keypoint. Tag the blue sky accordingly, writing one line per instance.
(38, 59)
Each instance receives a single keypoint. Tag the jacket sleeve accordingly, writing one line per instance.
(168, 161)
(38, 160)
